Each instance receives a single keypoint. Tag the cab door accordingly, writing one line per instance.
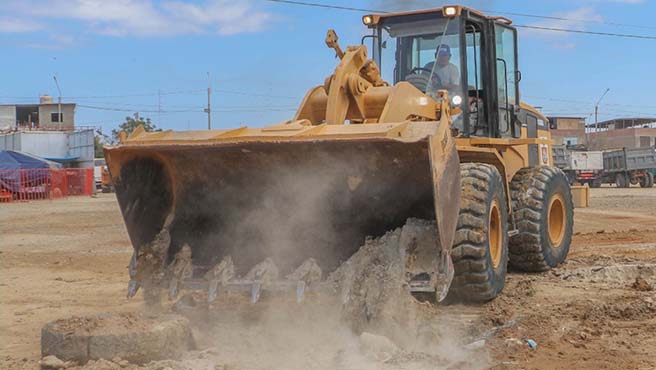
(507, 80)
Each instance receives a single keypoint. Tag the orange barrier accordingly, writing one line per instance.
(44, 183)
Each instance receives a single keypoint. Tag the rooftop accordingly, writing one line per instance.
(33, 105)
(619, 123)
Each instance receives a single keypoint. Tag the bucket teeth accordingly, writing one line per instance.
(212, 291)
(218, 276)
(264, 272)
(180, 269)
(300, 291)
(308, 272)
(261, 275)
(133, 285)
(256, 291)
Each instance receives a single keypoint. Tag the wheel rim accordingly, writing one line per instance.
(495, 231)
(557, 218)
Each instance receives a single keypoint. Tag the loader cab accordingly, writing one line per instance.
(481, 73)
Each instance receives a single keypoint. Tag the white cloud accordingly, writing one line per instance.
(226, 17)
(148, 18)
(571, 20)
(17, 25)
(55, 42)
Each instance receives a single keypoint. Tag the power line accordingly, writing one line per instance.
(571, 19)
(246, 93)
(549, 29)
(144, 105)
(175, 92)
(199, 110)
(552, 29)
(135, 109)
(317, 5)
(576, 101)
(183, 92)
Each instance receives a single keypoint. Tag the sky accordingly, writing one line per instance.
(114, 58)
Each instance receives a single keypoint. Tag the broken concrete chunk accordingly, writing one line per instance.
(51, 362)
(131, 336)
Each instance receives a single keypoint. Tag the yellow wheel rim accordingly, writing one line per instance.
(495, 231)
(556, 224)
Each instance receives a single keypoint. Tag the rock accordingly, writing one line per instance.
(377, 344)
(133, 337)
(51, 362)
(642, 285)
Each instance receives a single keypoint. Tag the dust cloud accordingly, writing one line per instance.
(370, 321)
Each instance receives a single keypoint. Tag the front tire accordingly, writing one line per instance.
(480, 249)
(544, 214)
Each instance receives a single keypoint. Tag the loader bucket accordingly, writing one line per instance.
(283, 198)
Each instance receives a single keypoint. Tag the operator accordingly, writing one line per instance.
(445, 74)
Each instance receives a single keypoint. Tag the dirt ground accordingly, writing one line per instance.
(69, 257)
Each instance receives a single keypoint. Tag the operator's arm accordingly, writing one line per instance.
(453, 82)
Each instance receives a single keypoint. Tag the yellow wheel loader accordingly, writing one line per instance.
(430, 127)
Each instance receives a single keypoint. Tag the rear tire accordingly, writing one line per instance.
(544, 214)
(596, 183)
(480, 248)
(647, 181)
(621, 181)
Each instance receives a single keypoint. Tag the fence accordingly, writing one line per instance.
(44, 183)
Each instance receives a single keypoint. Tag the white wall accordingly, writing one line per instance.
(80, 144)
(10, 142)
(7, 117)
(45, 144)
(53, 144)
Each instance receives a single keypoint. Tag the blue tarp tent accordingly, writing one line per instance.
(11, 176)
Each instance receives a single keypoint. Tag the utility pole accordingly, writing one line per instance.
(59, 112)
(597, 109)
(159, 107)
(208, 110)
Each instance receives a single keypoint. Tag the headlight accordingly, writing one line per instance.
(456, 100)
(367, 20)
(450, 11)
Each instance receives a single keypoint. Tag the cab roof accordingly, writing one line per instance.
(377, 17)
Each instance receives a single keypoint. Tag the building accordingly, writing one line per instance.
(46, 130)
(47, 115)
(622, 133)
(568, 130)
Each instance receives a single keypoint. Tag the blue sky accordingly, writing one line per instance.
(263, 56)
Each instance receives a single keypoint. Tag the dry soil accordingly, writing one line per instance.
(597, 311)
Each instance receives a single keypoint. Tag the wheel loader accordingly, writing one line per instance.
(431, 126)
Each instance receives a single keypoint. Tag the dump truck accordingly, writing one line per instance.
(430, 127)
(630, 166)
(580, 166)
